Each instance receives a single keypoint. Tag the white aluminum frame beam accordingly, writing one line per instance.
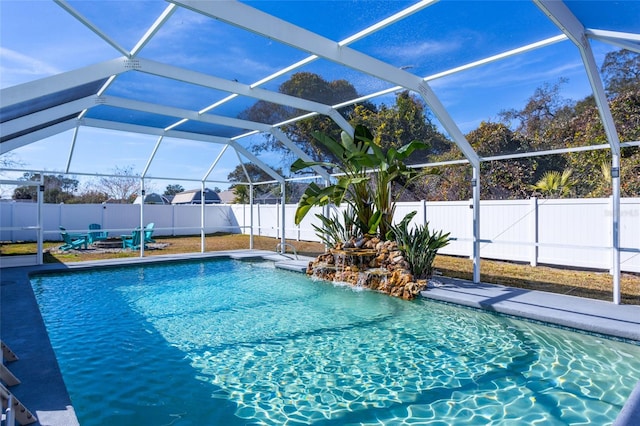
(72, 148)
(208, 118)
(182, 113)
(251, 157)
(280, 135)
(66, 6)
(46, 86)
(164, 17)
(147, 130)
(37, 135)
(212, 82)
(151, 157)
(351, 39)
(135, 128)
(45, 116)
(250, 19)
(215, 162)
(564, 19)
(627, 41)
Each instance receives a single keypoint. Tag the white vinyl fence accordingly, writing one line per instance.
(18, 220)
(566, 232)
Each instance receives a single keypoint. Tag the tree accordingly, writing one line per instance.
(254, 174)
(586, 129)
(401, 123)
(555, 185)
(57, 188)
(541, 109)
(173, 189)
(308, 86)
(241, 194)
(89, 197)
(499, 179)
(121, 187)
(620, 70)
(502, 179)
(7, 161)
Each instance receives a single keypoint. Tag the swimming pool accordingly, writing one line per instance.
(230, 343)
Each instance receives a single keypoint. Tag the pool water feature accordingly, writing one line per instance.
(231, 343)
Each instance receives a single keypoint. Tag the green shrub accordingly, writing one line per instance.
(333, 231)
(419, 245)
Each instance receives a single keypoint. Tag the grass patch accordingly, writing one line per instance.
(589, 284)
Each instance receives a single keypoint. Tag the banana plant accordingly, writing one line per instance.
(357, 158)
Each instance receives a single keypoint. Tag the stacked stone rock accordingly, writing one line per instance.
(378, 265)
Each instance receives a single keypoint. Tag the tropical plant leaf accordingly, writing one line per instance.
(300, 164)
(408, 149)
(419, 245)
(313, 196)
(357, 158)
(334, 147)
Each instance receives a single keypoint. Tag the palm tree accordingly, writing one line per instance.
(555, 185)
(241, 194)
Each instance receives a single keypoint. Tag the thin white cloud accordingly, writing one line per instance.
(14, 66)
(418, 51)
(508, 74)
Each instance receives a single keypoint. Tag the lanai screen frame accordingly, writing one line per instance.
(37, 125)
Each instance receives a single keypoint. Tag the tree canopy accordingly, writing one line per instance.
(311, 87)
(546, 121)
(57, 188)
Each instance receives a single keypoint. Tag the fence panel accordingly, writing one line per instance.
(22, 215)
(118, 219)
(457, 218)
(572, 222)
(629, 233)
(504, 222)
(558, 225)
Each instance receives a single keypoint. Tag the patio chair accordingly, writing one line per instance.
(148, 231)
(72, 241)
(132, 241)
(96, 234)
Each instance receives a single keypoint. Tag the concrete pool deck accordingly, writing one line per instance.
(43, 391)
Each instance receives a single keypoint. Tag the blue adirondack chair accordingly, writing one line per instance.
(72, 241)
(96, 234)
(148, 231)
(132, 241)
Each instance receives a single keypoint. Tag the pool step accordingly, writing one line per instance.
(13, 409)
(7, 353)
(18, 411)
(7, 376)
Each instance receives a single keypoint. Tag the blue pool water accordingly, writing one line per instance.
(225, 342)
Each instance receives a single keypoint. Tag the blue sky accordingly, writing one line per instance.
(40, 39)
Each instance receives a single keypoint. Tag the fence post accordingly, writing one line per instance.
(259, 222)
(173, 220)
(472, 222)
(60, 208)
(424, 212)
(534, 231)
(40, 235)
(610, 207)
(13, 221)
